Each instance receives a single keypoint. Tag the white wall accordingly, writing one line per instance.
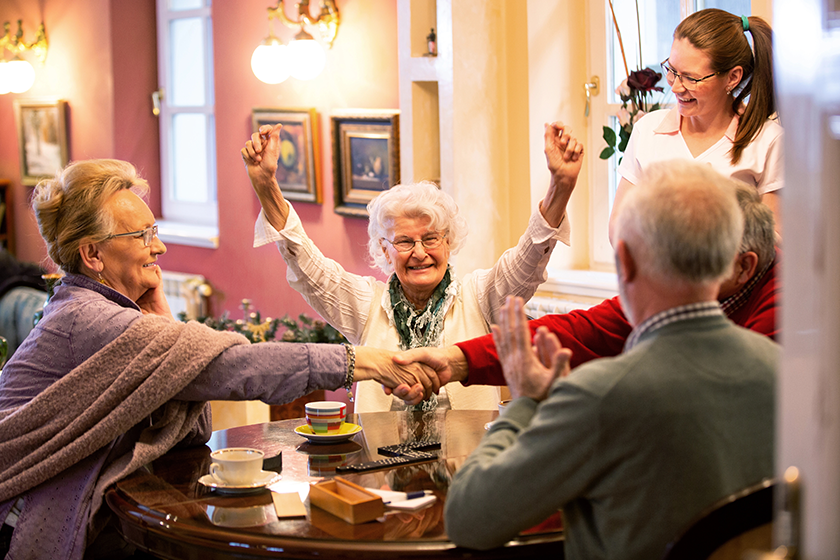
(807, 62)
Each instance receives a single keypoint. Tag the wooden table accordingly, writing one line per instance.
(165, 510)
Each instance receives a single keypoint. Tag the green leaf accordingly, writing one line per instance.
(609, 136)
(625, 137)
(607, 152)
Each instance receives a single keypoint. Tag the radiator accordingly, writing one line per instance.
(186, 293)
(538, 306)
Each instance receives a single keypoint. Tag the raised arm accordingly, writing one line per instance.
(260, 156)
(564, 156)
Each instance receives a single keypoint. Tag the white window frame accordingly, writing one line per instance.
(186, 223)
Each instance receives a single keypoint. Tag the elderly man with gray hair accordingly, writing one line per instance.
(632, 448)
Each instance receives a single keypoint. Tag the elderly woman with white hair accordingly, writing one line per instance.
(413, 229)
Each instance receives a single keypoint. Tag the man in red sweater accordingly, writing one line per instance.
(749, 298)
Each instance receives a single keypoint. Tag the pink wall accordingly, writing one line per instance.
(102, 61)
(79, 70)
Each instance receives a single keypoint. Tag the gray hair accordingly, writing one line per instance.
(414, 200)
(759, 226)
(682, 222)
(70, 208)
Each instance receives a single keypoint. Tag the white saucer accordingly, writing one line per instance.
(348, 430)
(266, 478)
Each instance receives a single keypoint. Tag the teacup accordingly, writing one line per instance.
(325, 417)
(236, 466)
(503, 405)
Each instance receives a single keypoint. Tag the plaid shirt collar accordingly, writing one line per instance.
(731, 304)
(679, 313)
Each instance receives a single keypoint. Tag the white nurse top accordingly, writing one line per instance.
(657, 137)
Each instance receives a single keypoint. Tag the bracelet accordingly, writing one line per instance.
(351, 369)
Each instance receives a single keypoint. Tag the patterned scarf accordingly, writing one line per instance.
(420, 328)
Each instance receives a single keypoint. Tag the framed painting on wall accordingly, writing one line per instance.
(42, 138)
(298, 169)
(366, 157)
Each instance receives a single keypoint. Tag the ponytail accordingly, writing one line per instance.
(723, 38)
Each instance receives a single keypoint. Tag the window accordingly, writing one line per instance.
(656, 23)
(187, 123)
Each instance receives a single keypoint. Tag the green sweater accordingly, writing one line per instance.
(632, 448)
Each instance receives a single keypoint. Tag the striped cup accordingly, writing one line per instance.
(325, 417)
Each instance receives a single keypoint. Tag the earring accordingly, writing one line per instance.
(728, 90)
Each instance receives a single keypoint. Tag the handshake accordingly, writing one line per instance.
(412, 375)
(529, 367)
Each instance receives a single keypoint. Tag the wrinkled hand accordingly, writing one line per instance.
(449, 364)
(564, 156)
(563, 152)
(260, 156)
(529, 370)
(153, 301)
(261, 153)
(377, 364)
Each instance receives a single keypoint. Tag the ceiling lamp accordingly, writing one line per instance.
(18, 75)
(270, 61)
(307, 56)
(304, 58)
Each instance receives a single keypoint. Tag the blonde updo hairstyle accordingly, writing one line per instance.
(70, 208)
(413, 200)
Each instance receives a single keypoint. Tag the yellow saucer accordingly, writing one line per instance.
(347, 431)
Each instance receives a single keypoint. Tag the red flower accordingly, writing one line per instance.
(644, 80)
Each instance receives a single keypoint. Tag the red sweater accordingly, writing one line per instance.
(600, 331)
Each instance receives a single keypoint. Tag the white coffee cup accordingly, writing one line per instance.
(236, 466)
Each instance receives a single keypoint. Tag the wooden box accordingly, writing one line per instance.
(346, 500)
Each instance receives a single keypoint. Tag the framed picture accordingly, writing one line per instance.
(42, 138)
(366, 157)
(298, 169)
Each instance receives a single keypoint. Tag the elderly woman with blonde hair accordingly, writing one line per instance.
(413, 231)
(108, 380)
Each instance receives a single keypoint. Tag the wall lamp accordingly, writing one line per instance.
(303, 58)
(17, 75)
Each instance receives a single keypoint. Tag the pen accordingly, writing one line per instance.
(411, 496)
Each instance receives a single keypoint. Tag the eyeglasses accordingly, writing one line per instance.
(146, 234)
(688, 83)
(429, 242)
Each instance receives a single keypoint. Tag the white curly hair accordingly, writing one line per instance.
(413, 200)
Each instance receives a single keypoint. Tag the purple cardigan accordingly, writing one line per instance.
(82, 317)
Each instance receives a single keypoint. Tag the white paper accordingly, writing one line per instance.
(396, 500)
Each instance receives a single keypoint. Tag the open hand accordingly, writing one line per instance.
(529, 370)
